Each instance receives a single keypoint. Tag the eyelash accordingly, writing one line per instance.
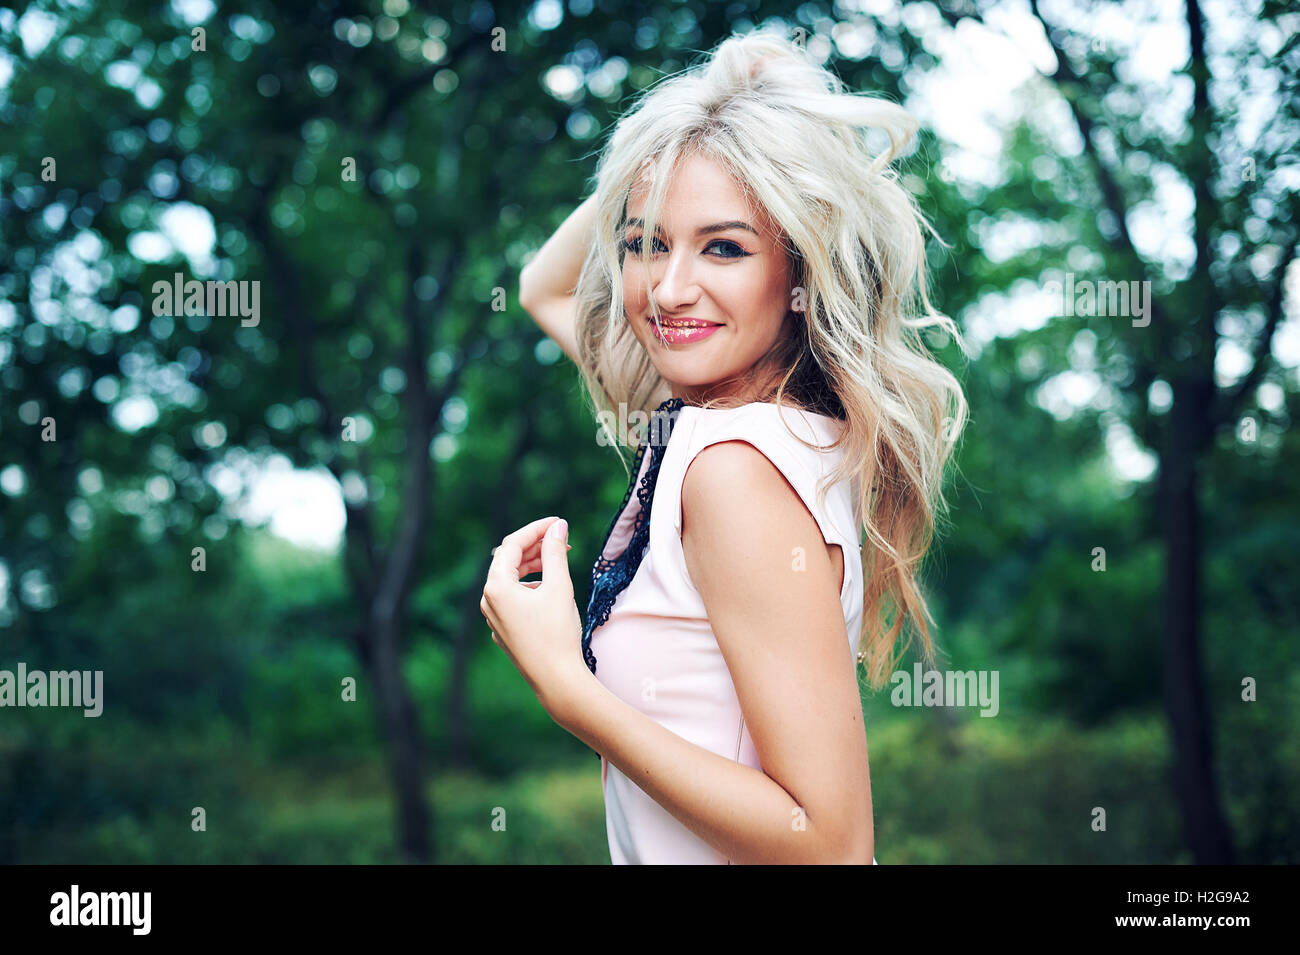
(633, 246)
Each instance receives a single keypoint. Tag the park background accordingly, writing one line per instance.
(1155, 678)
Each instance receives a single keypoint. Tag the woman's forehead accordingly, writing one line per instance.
(701, 192)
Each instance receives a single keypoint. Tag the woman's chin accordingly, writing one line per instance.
(680, 377)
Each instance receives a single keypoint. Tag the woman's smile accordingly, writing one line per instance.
(683, 331)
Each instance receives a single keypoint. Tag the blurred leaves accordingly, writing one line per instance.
(230, 163)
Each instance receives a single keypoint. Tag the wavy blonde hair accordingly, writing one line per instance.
(784, 128)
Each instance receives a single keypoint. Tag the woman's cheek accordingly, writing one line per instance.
(633, 294)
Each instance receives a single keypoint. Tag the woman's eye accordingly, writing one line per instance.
(731, 250)
(726, 248)
(634, 245)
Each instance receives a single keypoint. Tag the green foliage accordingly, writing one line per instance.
(223, 687)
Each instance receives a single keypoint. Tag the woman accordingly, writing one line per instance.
(798, 440)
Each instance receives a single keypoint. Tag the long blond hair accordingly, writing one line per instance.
(785, 129)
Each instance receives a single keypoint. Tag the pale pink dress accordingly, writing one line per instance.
(657, 651)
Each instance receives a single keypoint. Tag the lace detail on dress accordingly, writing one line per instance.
(602, 565)
(609, 578)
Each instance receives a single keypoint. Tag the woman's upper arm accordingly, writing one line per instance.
(780, 627)
(557, 316)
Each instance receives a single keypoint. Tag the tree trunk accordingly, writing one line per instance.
(1204, 825)
(401, 732)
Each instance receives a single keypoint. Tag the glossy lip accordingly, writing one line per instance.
(682, 336)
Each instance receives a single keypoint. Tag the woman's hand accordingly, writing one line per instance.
(536, 622)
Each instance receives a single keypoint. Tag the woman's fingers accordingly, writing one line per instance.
(525, 546)
(533, 558)
(533, 562)
(510, 553)
(530, 567)
(535, 552)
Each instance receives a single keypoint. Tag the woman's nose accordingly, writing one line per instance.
(676, 284)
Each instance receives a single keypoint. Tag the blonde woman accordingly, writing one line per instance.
(745, 275)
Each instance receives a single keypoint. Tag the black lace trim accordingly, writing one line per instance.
(609, 578)
(602, 565)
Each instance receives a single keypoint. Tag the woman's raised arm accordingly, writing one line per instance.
(548, 281)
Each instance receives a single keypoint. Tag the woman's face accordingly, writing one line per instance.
(716, 261)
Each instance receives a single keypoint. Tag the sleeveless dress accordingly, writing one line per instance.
(647, 622)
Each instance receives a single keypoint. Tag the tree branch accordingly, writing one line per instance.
(1112, 195)
(1233, 401)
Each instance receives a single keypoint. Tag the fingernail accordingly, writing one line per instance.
(563, 529)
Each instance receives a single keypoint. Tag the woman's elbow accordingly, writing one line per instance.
(527, 291)
(854, 847)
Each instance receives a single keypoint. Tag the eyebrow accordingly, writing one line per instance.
(704, 229)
